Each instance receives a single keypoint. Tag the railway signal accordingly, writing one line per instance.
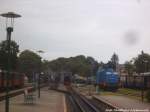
(10, 16)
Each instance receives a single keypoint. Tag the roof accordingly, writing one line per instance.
(10, 15)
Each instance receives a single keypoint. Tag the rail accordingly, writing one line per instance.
(79, 103)
(103, 105)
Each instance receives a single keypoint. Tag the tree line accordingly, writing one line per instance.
(139, 64)
(80, 64)
(27, 61)
(30, 62)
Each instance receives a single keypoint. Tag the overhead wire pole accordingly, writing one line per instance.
(91, 74)
(39, 81)
(143, 85)
(9, 30)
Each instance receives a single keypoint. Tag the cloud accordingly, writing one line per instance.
(72, 27)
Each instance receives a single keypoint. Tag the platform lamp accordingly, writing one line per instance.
(41, 73)
(10, 16)
(39, 76)
(39, 83)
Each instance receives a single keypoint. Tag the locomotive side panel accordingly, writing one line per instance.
(107, 79)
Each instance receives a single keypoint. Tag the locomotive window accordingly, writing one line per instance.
(108, 73)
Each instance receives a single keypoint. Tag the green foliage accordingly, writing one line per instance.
(45, 65)
(129, 67)
(114, 61)
(109, 65)
(77, 65)
(29, 62)
(148, 95)
(14, 50)
(142, 62)
(93, 65)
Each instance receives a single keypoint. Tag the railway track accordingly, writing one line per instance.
(102, 105)
(79, 103)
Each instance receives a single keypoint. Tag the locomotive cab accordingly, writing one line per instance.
(107, 79)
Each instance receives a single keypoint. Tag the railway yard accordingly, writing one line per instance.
(75, 56)
(75, 99)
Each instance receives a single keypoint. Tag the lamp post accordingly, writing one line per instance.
(40, 73)
(10, 16)
(91, 74)
(39, 83)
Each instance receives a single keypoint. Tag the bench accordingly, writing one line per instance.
(29, 98)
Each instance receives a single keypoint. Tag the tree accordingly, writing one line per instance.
(101, 64)
(142, 62)
(29, 63)
(14, 50)
(94, 65)
(129, 67)
(109, 64)
(77, 65)
(115, 61)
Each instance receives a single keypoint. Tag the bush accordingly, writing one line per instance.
(148, 95)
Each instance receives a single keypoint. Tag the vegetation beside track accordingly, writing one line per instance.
(131, 93)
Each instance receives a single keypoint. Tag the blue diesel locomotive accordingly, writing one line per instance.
(107, 79)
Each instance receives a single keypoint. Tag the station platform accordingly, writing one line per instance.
(14, 91)
(61, 87)
(50, 101)
(123, 102)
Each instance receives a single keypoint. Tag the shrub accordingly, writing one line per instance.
(148, 95)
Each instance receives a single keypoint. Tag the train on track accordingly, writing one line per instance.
(15, 80)
(106, 78)
(136, 81)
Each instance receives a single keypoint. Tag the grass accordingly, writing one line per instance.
(131, 93)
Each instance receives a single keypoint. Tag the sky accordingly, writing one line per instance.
(65, 28)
